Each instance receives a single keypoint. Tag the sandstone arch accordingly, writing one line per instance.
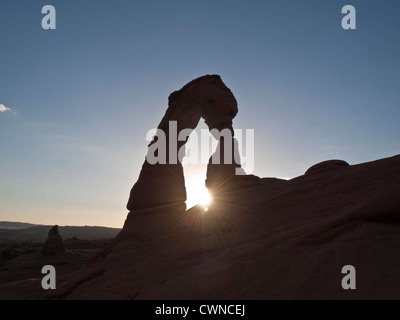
(162, 186)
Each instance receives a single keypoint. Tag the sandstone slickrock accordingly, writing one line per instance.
(54, 243)
(276, 240)
(327, 165)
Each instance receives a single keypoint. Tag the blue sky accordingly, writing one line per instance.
(83, 96)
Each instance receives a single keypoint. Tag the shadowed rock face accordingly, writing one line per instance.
(221, 174)
(327, 165)
(162, 186)
(273, 239)
(54, 243)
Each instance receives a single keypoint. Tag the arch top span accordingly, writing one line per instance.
(206, 97)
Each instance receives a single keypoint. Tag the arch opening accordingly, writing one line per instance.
(195, 166)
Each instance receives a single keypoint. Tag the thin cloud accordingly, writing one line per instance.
(3, 108)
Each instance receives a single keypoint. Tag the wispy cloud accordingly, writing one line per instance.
(3, 108)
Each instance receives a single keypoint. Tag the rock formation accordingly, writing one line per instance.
(275, 239)
(222, 167)
(266, 239)
(54, 243)
(326, 165)
(161, 187)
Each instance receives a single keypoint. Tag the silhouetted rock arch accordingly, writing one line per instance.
(162, 186)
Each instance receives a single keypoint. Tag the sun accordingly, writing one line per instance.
(204, 198)
(197, 193)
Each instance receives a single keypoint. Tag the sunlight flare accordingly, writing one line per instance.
(204, 199)
(197, 193)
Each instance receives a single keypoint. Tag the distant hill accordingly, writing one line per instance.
(16, 232)
(16, 225)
